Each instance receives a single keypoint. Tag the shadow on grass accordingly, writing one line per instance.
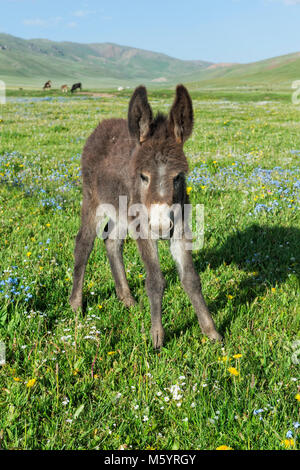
(271, 254)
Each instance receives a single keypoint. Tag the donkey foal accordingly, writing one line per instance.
(141, 159)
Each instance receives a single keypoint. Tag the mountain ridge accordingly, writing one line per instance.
(30, 62)
(30, 57)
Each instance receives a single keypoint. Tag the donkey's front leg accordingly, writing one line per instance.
(83, 247)
(114, 251)
(192, 286)
(155, 286)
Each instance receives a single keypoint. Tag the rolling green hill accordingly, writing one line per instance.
(29, 63)
(32, 62)
(278, 71)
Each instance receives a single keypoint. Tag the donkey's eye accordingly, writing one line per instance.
(144, 178)
(177, 179)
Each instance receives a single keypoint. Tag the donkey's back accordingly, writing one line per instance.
(105, 160)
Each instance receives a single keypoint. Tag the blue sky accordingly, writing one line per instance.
(214, 30)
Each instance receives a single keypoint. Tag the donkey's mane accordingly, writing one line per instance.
(159, 126)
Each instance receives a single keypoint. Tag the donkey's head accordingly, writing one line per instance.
(159, 164)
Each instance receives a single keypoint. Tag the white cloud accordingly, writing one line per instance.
(72, 24)
(42, 23)
(286, 2)
(34, 22)
(82, 13)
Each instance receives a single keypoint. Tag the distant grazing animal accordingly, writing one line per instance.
(64, 88)
(76, 86)
(141, 160)
(47, 85)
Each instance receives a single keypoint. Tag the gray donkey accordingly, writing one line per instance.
(141, 159)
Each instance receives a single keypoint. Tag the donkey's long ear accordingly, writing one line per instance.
(139, 115)
(181, 115)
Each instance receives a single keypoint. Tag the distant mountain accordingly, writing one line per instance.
(32, 62)
(36, 60)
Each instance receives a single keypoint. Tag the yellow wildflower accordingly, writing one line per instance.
(288, 443)
(223, 359)
(224, 448)
(233, 371)
(31, 383)
(28, 254)
(17, 379)
(189, 190)
(297, 397)
(237, 356)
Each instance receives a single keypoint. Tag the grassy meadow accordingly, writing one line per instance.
(92, 380)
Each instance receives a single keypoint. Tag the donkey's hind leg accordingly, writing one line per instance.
(115, 255)
(83, 247)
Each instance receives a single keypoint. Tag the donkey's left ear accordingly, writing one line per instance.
(139, 115)
(181, 117)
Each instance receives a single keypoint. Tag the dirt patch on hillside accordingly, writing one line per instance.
(95, 95)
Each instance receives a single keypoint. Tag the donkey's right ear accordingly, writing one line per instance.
(181, 115)
(139, 115)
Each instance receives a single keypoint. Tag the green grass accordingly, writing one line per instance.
(96, 381)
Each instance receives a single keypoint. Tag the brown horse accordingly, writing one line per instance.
(142, 160)
(64, 88)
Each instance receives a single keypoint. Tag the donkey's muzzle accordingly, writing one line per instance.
(160, 222)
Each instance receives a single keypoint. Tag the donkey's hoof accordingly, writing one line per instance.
(158, 335)
(215, 337)
(128, 301)
(75, 303)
